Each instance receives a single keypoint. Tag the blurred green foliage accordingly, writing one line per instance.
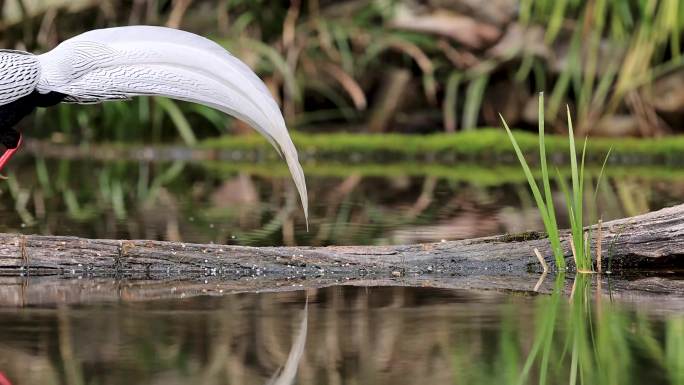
(327, 63)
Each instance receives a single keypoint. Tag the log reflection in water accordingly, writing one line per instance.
(353, 335)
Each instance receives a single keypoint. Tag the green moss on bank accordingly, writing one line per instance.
(465, 172)
(486, 143)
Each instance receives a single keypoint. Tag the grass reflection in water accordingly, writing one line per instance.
(254, 204)
(383, 335)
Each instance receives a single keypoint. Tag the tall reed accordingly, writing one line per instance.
(544, 202)
(574, 195)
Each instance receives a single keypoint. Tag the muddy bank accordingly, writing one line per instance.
(116, 269)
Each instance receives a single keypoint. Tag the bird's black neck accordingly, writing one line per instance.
(12, 113)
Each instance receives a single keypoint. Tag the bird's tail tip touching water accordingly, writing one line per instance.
(300, 182)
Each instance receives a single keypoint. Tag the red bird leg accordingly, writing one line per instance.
(4, 380)
(10, 153)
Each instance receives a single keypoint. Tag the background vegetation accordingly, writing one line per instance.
(401, 66)
(391, 105)
(354, 78)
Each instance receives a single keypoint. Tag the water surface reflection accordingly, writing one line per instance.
(353, 335)
(255, 204)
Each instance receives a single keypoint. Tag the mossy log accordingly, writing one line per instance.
(140, 269)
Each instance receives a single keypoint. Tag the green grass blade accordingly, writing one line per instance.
(549, 224)
(528, 174)
(600, 176)
(576, 201)
(573, 155)
(473, 101)
(450, 99)
(585, 257)
(548, 196)
(178, 119)
(571, 210)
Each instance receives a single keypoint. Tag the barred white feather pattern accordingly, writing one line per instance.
(122, 62)
(19, 75)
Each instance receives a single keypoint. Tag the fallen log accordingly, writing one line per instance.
(648, 241)
(645, 243)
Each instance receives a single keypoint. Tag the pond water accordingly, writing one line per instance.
(345, 335)
(359, 204)
(336, 335)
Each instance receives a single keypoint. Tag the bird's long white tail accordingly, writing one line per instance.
(117, 63)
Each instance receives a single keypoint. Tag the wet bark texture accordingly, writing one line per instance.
(151, 269)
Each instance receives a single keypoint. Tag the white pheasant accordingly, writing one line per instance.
(119, 63)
